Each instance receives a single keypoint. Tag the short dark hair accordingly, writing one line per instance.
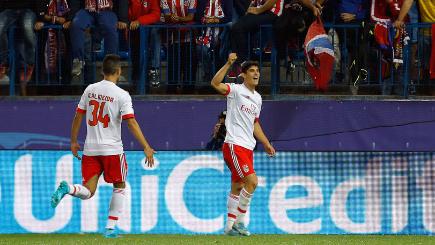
(111, 63)
(247, 64)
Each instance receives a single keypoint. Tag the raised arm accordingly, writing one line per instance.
(134, 128)
(75, 128)
(216, 82)
(259, 134)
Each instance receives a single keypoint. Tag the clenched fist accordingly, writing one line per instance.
(232, 58)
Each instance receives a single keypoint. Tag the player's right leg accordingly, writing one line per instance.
(91, 171)
(232, 204)
(76, 190)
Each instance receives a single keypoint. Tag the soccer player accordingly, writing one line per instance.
(105, 106)
(243, 111)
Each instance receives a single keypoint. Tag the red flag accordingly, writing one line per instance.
(319, 53)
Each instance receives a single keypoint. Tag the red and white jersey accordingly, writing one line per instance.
(105, 105)
(276, 9)
(243, 109)
(180, 8)
(385, 11)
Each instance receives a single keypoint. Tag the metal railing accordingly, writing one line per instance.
(183, 63)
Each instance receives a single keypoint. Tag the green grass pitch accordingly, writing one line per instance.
(15, 239)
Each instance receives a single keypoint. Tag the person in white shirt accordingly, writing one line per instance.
(104, 106)
(242, 123)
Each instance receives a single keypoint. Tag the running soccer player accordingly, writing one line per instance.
(105, 106)
(243, 111)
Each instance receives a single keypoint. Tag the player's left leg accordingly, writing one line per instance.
(250, 183)
(115, 209)
(115, 171)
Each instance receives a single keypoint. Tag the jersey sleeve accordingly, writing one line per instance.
(82, 106)
(127, 107)
(232, 89)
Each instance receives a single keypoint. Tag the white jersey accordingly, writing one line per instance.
(243, 109)
(105, 105)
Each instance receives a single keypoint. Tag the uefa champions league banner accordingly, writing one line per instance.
(185, 192)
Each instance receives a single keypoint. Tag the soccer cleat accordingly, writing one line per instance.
(110, 233)
(241, 228)
(60, 192)
(232, 232)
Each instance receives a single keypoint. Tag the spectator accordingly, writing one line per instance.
(294, 20)
(211, 12)
(394, 12)
(181, 62)
(236, 7)
(351, 11)
(427, 15)
(386, 13)
(144, 12)
(54, 43)
(259, 13)
(102, 15)
(219, 132)
(354, 40)
(22, 14)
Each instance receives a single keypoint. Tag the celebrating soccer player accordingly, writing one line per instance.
(243, 111)
(105, 105)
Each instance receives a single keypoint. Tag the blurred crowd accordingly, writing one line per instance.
(68, 29)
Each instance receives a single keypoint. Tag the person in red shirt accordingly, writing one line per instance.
(144, 12)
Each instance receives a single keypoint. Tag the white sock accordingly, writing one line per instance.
(244, 201)
(232, 203)
(116, 206)
(79, 191)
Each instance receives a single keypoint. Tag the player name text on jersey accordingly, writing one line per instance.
(100, 97)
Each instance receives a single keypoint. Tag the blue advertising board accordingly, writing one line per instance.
(186, 191)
